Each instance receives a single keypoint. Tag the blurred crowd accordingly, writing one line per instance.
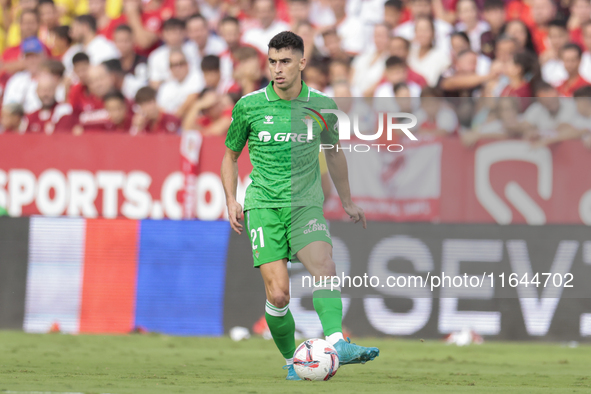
(163, 66)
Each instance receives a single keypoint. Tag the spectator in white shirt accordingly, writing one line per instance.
(425, 57)
(201, 41)
(97, 47)
(553, 70)
(393, 13)
(369, 65)
(177, 94)
(21, 88)
(396, 71)
(423, 9)
(548, 113)
(265, 13)
(552, 119)
(467, 13)
(173, 35)
(349, 28)
(229, 30)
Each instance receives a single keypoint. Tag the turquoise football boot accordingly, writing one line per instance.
(291, 373)
(349, 353)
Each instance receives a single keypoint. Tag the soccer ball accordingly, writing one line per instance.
(316, 359)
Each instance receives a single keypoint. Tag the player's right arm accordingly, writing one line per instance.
(235, 142)
(230, 182)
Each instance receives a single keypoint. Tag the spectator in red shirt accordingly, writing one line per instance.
(119, 112)
(211, 114)
(12, 57)
(11, 120)
(81, 65)
(542, 11)
(571, 58)
(400, 47)
(97, 8)
(523, 72)
(145, 20)
(88, 103)
(149, 118)
(52, 116)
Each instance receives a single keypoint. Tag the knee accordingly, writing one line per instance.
(326, 265)
(279, 297)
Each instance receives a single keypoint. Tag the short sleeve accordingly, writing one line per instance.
(331, 134)
(239, 128)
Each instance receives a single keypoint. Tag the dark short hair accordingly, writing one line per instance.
(494, 5)
(585, 91)
(113, 66)
(145, 95)
(210, 63)
(558, 22)
(542, 86)
(173, 23)
(114, 95)
(287, 40)
(87, 20)
(394, 61)
(229, 19)
(462, 35)
(41, 2)
(124, 28)
(572, 46)
(197, 16)
(55, 67)
(400, 85)
(80, 57)
(404, 40)
(63, 32)
(397, 4)
(244, 52)
(431, 92)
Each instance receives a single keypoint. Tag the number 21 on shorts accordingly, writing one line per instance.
(253, 237)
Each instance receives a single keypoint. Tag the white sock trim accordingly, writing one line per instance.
(334, 338)
(274, 311)
(289, 361)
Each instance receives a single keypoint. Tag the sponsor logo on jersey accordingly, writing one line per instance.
(265, 136)
(268, 119)
(313, 225)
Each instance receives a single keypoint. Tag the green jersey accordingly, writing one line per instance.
(286, 171)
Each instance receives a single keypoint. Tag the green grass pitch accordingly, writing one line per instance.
(163, 364)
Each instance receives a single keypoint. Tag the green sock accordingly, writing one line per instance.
(282, 327)
(329, 307)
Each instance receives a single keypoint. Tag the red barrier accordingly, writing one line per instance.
(139, 177)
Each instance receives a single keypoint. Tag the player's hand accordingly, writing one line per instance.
(235, 216)
(355, 213)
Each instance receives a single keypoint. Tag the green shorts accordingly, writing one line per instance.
(279, 233)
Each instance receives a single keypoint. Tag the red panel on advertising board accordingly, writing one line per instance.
(110, 272)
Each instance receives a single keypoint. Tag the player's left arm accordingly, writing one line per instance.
(339, 172)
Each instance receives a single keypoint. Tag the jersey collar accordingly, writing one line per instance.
(272, 96)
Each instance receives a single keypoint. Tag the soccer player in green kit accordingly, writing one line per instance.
(283, 205)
